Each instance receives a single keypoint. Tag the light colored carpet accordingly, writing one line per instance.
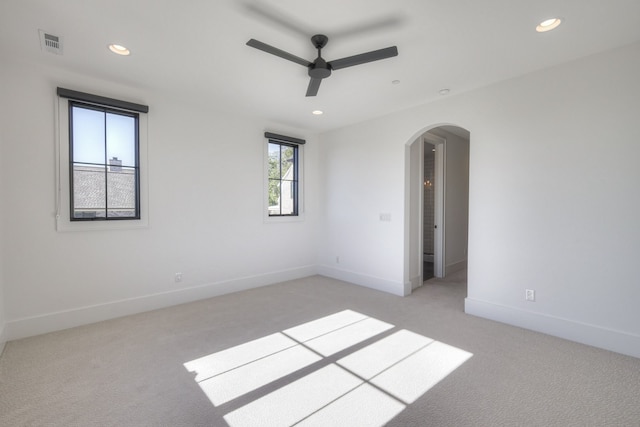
(131, 371)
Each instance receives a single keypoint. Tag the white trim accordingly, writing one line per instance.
(417, 281)
(62, 211)
(456, 266)
(408, 217)
(3, 338)
(420, 219)
(36, 325)
(265, 189)
(597, 336)
(377, 283)
(440, 193)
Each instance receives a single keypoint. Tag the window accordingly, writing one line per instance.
(101, 153)
(103, 163)
(283, 179)
(283, 175)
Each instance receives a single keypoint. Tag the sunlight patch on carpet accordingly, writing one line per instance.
(415, 375)
(348, 336)
(368, 385)
(379, 356)
(223, 361)
(297, 400)
(364, 406)
(324, 325)
(232, 384)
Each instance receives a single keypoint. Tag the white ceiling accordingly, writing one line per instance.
(194, 50)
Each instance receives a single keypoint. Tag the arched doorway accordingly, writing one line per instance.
(436, 203)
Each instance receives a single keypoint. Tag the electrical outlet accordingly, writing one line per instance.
(337, 260)
(178, 277)
(530, 295)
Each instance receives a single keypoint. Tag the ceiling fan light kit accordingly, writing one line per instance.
(320, 69)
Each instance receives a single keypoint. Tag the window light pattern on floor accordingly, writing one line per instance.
(367, 386)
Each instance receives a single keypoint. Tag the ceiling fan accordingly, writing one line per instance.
(321, 69)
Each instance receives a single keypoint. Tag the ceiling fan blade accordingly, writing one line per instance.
(363, 58)
(277, 52)
(314, 85)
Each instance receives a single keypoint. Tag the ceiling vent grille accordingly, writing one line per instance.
(50, 43)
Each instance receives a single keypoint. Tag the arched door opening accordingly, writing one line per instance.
(436, 199)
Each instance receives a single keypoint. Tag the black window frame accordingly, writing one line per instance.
(105, 109)
(295, 182)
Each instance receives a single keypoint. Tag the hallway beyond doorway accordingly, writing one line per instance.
(427, 270)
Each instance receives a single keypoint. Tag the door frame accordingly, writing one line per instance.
(440, 194)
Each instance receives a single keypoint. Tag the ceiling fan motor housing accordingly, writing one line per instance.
(319, 69)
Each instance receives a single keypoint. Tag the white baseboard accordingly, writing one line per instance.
(3, 338)
(416, 282)
(456, 266)
(36, 325)
(596, 336)
(395, 288)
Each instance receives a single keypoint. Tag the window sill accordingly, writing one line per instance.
(283, 219)
(63, 225)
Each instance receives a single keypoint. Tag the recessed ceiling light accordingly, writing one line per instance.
(444, 91)
(548, 24)
(317, 112)
(119, 49)
(396, 82)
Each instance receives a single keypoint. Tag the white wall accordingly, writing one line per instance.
(553, 203)
(2, 249)
(206, 219)
(3, 180)
(3, 338)
(363, 175)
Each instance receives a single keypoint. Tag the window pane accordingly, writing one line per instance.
(287, 191)
(121, 191)
(274, 161)
(89, 191)
(121, 142)
(88, 135)
(283, 179)
(287, 162)
(274, 197)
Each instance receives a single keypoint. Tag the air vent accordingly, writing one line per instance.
(50, 43)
